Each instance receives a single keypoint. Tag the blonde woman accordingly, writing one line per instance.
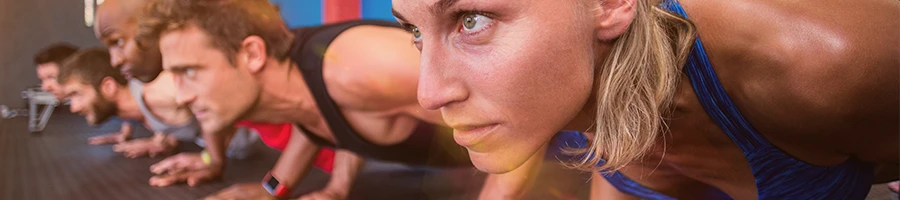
(688, 100)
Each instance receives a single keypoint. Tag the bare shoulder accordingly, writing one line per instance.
(810, 69)
(159, 95)
(833, 33)
(372, 68)
(161, 90)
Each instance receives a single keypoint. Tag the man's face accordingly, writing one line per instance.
(88, 102)
(116, 28)
(47, 72)
(217, 91)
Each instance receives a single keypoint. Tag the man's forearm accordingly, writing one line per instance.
(217, 144)
(159, 137)
(295, 160)
(126, 128)
(346, 166)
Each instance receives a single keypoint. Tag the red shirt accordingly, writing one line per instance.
(277, 137)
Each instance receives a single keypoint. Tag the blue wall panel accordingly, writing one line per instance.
(300, 12)
(377, 9)
(309, 12)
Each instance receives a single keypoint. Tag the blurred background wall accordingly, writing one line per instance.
(26, 26)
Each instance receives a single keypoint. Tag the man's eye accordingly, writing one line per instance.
(190, 72)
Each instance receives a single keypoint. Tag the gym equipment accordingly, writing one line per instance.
(6, 112)
(36, 97)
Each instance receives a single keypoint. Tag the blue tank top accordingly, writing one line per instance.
(778, 175)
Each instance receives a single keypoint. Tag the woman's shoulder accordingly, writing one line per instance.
(825, 31)
(827, 55)
(803, 69)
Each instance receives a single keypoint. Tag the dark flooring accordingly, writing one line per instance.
(58, 164)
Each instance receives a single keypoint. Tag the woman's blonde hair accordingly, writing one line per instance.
(636, 86)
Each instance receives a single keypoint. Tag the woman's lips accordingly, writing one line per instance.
(471, 135)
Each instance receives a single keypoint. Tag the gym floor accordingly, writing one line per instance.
(59, 164)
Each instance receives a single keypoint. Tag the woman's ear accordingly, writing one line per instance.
(613, 17)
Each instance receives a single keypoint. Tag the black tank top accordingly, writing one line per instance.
(427, 145)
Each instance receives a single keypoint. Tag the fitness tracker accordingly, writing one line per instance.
(275, 187)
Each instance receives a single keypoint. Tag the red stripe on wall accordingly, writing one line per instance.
(341, 10)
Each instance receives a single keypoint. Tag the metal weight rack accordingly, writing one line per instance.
(37, 118)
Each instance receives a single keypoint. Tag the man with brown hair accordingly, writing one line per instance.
(47, 62)
(97, 91)
(350, 85)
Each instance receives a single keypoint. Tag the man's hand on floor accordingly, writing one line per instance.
(111, 138)
(254, 191)
(146, 146)
(192, 177)
(179, 163)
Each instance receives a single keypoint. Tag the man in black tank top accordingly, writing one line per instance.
(350, 85)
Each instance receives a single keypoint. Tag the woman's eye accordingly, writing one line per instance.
(475, 22)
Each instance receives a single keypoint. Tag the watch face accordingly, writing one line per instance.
(271, 184)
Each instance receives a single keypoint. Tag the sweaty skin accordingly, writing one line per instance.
(821, 84)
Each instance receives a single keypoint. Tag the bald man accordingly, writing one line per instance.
(116, 26)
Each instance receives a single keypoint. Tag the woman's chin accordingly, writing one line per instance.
(493, 163)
